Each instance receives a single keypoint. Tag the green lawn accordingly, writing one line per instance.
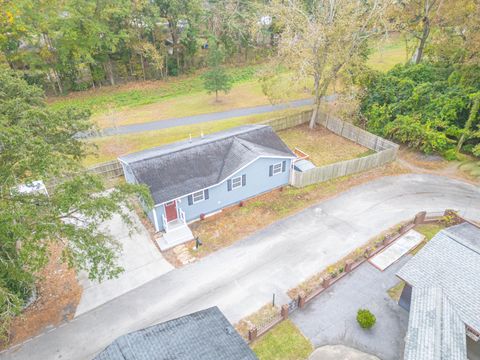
(102, 100)
(283, 342)
(388, 53)
(109, 148)
(429, 231)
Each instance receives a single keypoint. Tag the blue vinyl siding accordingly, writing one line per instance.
(256, 178)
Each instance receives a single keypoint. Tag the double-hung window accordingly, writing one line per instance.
(277, 169)
(198, 196)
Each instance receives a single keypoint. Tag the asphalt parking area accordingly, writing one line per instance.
(330, 319)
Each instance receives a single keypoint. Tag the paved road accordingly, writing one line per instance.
(196, 119)
(241, 278)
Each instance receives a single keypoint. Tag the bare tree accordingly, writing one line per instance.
(319, 40)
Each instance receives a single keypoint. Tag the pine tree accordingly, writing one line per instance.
(216, 78)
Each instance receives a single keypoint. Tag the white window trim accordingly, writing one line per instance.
(277, 172)
(196, 193)
(239, 183)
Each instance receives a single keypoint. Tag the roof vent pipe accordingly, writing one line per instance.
(201, 134)
(190, 137)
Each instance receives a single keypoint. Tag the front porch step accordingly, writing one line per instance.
(174, 237)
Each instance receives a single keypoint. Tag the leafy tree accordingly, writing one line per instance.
(320, 40)
(427, 106)
(38, 143)
(216, 78)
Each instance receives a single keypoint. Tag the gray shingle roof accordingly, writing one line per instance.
(204, 335)
(450, 261)
(181, 168)
(435, 331)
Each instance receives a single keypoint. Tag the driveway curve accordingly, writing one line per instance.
(243, 277)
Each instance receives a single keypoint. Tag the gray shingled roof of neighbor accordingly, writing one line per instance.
(184, 167)
(435, 331)
(204, 335)
(450, 261)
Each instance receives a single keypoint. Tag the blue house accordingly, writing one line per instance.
(195, 178)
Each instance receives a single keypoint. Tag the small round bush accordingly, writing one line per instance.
(365, 318)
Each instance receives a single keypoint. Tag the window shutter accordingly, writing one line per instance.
(284, 165)
(270, 172)
(206, 194)
(244, 180)
(190, 199)
(229, 185)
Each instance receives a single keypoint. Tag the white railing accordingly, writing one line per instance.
(182, 215)
(165, 224)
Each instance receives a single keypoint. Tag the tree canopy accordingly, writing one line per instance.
(38, 143)
(431, 107)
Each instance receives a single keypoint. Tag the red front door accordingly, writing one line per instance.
(171, 210)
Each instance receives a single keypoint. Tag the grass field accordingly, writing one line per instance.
(139, 102)
(388, 53)
(109, 148)
(283, 342)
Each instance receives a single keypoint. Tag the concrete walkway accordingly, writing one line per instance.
(241, 278)
(197, 119)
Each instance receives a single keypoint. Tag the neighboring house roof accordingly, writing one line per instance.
(184, 167)
(204, 335)
(450, 261)
(435, 331)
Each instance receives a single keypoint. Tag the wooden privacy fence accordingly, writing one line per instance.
(385, 152)
(108, 170)
(113, 169)
(289, 121)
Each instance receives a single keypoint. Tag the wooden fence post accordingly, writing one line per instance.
(284, 312)
(252, 334)
(301, 300)
(420, 218)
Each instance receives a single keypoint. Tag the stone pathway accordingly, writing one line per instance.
(183, 254)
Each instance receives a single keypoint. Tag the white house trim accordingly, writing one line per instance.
(228, 177)
(155, 220)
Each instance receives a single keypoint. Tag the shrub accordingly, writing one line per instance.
(365, 318)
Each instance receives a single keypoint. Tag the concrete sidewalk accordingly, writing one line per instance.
(242, 278)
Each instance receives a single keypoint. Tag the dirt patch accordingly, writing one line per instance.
(237, 222)
(58, 294)
(323, 146)
(423, 164)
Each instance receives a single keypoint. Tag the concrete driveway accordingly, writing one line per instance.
(141, 260)
(241, 278)
(331, 317)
